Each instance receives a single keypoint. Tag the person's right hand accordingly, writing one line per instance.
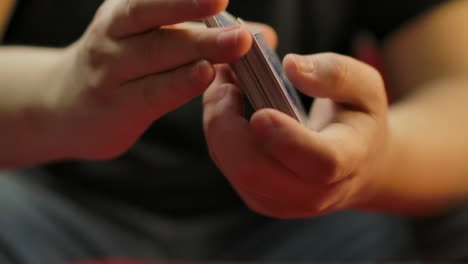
(134, 64)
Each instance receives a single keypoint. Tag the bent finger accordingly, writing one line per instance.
(165, 49)
(163, 92)
(268, 32)
(315, 157)
(136, 16)
(234, 148)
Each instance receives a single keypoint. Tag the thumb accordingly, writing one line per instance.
(344, 80)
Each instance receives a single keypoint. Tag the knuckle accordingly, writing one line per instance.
(132, 12)
(102, 10)
(214, 94)
(214, 122)
(99, 51)
(332, 167)
(375, 75)
(322, 208)
(198, 76)
(99, 57)
(101, 23)
(211, 122)
(102, 62)
(377, 93)
(98, 26)
(93, 63)
(337, 74)
(336, 197)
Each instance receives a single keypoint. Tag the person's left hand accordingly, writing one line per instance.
(283, 169)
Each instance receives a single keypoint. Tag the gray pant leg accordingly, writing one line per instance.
(339, 237)
(444, 237)
(38, 225)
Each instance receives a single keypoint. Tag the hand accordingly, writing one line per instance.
(283, 169)
(133, 65)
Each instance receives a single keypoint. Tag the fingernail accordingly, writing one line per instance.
(303, 64)
(229, 35)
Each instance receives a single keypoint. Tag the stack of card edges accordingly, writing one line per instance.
(261, 74)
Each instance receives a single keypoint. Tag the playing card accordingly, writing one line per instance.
(261, 75)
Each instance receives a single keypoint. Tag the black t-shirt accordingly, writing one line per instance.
(169, 169)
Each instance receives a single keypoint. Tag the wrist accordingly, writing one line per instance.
(376, 193)
(48, 115)
(394, 186)
(60, 120)
(30, 81)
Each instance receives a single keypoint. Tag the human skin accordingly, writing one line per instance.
(356, 152)
(93, 99)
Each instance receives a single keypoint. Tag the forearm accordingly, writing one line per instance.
(29, 79)
(425, 169)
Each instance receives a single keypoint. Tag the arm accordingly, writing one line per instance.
(29, 78)
(93, 99)
(427, 61)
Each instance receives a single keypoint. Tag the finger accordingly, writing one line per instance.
(358, 108)
(263, 182)
(224, 75)
(136, 16)
(316, 157)
(234, 148)
(164, 92)
(189, 25)
(268, 32)
(165, 49)
(344, 80)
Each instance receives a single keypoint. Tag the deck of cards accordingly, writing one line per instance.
(261, 74)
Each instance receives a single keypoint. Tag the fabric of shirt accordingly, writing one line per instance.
(169, 169)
